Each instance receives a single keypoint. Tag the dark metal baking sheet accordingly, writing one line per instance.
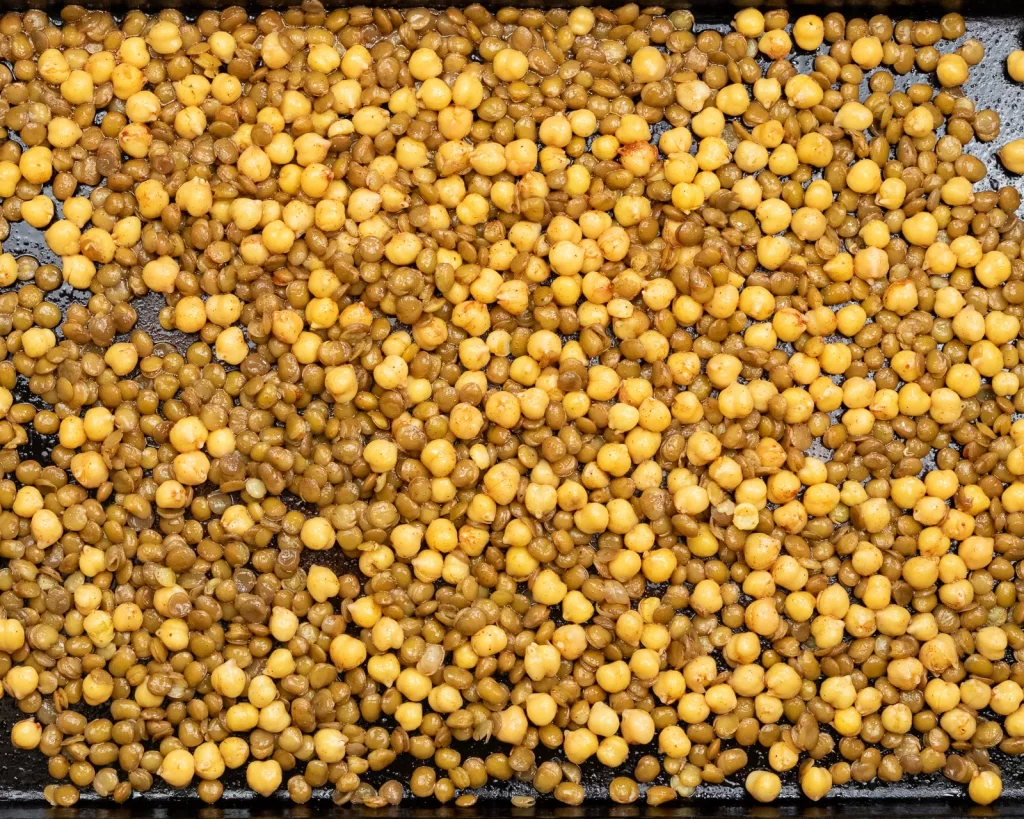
(23, 775)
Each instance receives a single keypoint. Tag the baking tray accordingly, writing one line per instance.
(1000, 26)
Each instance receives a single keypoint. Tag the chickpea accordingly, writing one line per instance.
(177, 768)
(985, 788)
(1012, 156)
(264, 776)
(1015, 65)
(764, 786)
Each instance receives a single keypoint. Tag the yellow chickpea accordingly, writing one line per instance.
(809, 32)
(764, 786)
